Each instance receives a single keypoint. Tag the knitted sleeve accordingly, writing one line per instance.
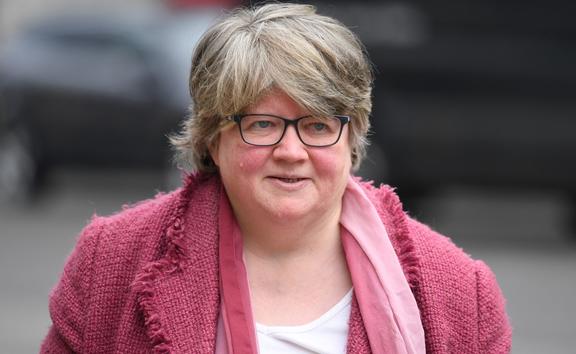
(69, 300)
(494, 331)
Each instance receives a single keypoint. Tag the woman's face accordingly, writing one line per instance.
(287, 181)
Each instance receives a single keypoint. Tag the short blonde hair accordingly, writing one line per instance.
(314, 59)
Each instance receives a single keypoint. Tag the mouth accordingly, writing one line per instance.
(288, 179)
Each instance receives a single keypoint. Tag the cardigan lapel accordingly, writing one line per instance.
(179, 293)
(357, 342)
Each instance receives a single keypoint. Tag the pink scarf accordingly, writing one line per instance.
(388, 307)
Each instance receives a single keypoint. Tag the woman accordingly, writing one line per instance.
(271, 245)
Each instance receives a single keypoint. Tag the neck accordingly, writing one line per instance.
(286, 263)
(280, 239)
(296, 269)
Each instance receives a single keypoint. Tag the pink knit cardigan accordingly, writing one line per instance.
(146, 280)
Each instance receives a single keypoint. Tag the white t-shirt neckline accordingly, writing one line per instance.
(326, 334)
(326, 317)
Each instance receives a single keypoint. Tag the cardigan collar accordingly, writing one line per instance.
(189, 260)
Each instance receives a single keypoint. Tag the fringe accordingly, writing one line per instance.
(169, 263)
(389, 206)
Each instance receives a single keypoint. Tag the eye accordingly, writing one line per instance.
(263, 124)
(318, 126)
(260, 124)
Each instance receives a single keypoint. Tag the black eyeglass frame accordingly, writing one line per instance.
(237, 118)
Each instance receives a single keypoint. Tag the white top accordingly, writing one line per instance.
(326, 334)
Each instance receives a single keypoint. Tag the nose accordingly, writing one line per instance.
(290, 148)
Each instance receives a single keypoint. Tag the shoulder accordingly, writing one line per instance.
(460, 301)
(430, 251)
(128, 230)
(408, 235)
(111, 248)
(104, 258)
(460, 295)
(437, 251)
(461, 304)
(143, 225)
(115, 241)
(95, 285)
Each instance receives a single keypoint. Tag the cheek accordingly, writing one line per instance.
(335, 163)
(250, 163)
(326, 165)
(247, 160)
(235, 158)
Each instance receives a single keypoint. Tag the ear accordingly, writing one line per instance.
(213, 149)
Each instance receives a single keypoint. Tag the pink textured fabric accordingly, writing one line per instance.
(146, 280)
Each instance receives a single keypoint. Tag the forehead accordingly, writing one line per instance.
(277, 102)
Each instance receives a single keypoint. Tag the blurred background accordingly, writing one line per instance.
(474, 122)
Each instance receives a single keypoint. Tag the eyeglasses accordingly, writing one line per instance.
(268, 130)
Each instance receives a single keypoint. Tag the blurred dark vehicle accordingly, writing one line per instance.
(94, 90)
(470, 93)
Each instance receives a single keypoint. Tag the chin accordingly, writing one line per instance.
(290, 210)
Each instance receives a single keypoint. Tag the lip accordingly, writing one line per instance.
(289, 182)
